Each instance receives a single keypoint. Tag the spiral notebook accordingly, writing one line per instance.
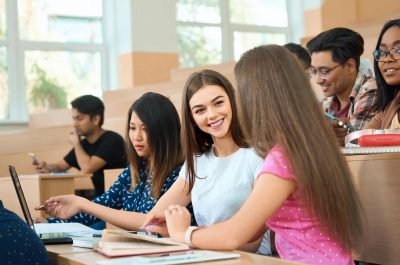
(370, 150)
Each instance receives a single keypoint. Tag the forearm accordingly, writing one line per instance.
(123, 219)
(82, 158)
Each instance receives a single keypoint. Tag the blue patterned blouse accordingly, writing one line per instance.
(121, 196)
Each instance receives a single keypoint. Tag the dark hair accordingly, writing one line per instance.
(342, 42)
(163, 129)
(272, 113)
(90, 105)
(300, 52)
(386, 92)
(195, 141)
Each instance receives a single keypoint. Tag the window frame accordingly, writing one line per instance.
(228, 29)
(16, 48)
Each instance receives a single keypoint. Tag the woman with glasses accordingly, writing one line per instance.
(387, 71)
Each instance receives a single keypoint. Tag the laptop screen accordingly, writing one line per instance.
(21, 196)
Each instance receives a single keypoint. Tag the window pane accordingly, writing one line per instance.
(60, 20)
(55, 78)
(206, 11)
(2, 19)
(199, 45)
(3, 84)
(259, 12)
(244, 41)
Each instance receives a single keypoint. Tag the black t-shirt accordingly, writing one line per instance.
(109, 147)
(19, 244)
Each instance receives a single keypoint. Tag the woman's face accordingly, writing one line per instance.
(138, 135)
(211, 110)
(390, 68)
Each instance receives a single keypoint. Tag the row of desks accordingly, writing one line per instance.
(69, 255)
(377, 178)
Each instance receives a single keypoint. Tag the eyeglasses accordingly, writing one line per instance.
(380, 55)
(323, 72)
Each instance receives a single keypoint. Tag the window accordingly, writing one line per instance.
(213, 31)
(51, 51)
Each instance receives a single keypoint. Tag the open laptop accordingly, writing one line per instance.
(24, 206)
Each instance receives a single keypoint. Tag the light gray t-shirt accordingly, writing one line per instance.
(223, 185)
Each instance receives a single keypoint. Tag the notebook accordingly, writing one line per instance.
(186, 257)
(370, 150)
(119, 243)
(54, 233)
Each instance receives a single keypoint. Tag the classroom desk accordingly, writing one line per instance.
(37, 188)
(71, 256)
(377, 177)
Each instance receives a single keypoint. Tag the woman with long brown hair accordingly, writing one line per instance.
(220, 169)
(304, 191)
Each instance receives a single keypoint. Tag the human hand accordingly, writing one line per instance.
(178, 220)
(74, 138)
(155, 223)
(40, 220)
(339, 129)
(42, 167)
(62, 207)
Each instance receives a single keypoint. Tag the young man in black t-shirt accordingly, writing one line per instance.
(94, 149)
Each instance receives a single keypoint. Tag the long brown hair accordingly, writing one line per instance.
(196, 142)
(163, 128)
(278, 107)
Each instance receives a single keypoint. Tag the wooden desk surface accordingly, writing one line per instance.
(377, 178)
(37, 188)
(87, 258)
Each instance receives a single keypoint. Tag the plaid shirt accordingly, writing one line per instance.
(362, 98)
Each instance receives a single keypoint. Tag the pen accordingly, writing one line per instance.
(340, 123)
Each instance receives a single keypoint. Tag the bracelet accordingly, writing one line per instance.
(188, 235)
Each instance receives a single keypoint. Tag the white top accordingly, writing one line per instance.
(223, 185)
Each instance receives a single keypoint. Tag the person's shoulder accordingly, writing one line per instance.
(112, 134)
(368, 84)
(249, 153)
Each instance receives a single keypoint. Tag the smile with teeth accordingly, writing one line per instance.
(389, 70)
(216, 124)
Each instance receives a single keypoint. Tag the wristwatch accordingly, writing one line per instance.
(188, 234)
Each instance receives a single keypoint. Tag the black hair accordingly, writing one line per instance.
(344, 44)
(300, 52)
(163, 128)
(90, 105)
(386, 92)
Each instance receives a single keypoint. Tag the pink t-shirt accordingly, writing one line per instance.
(298, 236)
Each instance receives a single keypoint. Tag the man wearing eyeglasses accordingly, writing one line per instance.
(350, 94)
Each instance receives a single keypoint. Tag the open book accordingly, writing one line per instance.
(118, 243)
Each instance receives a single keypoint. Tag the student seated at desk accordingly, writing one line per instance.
(19, 244)
(387, 71)
(220, 168)
(304, 191)
(94, 149)
(155, 157)
(350, 94)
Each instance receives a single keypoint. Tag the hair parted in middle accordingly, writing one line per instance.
(195, 142)
(277, 107)
(163, 129)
